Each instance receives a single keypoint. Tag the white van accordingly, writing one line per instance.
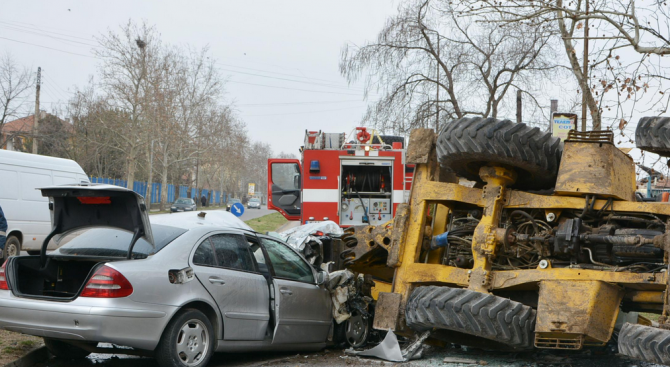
(26, 210)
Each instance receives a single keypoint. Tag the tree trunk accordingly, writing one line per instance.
(577, 70)
(164, 185)
(132, 163)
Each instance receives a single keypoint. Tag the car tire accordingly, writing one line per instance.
(467, 144)
(473, 313)
(645, 343)
(187, 341)
(65, 350)
(12, 247)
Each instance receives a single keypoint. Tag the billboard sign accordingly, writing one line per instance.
(562, 123)
(252, 189)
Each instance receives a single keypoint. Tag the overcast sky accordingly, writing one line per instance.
(280, 57)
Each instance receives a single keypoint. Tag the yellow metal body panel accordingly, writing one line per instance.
(570, 309)
(596, 169)
(380, 287)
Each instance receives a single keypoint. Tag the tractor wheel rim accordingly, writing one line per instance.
(192, 342)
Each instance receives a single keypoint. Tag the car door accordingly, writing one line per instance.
(284, 183)
(302, 308)
(223, 264)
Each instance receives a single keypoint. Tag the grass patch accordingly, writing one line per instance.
(650, 316)
(267, 223)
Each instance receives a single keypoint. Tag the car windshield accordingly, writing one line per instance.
(183, 201)
(112, 242)
(254, 200)
(233, 201)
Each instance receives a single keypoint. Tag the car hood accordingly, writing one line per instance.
(183, 205)
(76, 207)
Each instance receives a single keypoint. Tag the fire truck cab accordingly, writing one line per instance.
(358, 182)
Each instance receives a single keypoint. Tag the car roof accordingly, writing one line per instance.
(189, 220)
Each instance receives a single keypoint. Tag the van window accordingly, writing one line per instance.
(30, 181)
(9, 183)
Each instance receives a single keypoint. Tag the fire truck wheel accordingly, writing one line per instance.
(465, 145)
(474, 313)
(653, 135)
(645, 343)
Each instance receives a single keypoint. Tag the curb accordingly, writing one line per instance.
(34, 356)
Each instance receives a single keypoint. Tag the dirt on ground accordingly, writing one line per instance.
(15, 345)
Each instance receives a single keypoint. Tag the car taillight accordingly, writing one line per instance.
(3, 278)
(107, 283)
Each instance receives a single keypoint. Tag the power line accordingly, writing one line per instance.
(43, 34)
(274, 72)
(35, 26)
(305, 112)
(288, 88)
(294, 81)
(50, 48)
(299, 103)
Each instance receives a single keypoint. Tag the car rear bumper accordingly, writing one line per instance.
(117, 321)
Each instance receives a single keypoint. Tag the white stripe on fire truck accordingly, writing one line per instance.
(320, 196)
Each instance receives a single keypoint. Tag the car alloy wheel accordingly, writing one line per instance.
(356, 330)
(187, 341)
(192, 342)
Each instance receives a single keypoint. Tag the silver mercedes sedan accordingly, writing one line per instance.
(179, 287)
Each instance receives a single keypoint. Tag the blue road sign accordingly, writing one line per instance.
(237, 209)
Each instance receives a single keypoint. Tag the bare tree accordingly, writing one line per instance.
(15, 82)
(127, 57)
(616, 80)
(429, 61)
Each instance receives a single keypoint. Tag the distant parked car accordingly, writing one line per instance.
(169, 288)
(231, 202)
(254, 203)
(183, 205)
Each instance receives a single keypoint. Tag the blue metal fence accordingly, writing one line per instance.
(140, 187)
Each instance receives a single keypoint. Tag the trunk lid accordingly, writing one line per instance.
(75, 207)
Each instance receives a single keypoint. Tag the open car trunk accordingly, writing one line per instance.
(74, 208)
(60, 278)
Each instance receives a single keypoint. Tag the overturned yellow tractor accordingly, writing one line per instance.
(550, 247)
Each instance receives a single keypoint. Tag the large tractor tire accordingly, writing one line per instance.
(645, 343)
(465, 145)
(473, 313)
(653, 135)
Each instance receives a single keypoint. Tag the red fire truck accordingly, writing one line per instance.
(355, 182)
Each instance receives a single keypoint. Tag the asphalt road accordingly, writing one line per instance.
(255, 213)
(335, 357)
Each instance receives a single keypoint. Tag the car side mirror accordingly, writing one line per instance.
(322, 277)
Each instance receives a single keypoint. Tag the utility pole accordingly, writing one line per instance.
(36, 118)
(437, 97)
(586, 70)
(518, 106)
